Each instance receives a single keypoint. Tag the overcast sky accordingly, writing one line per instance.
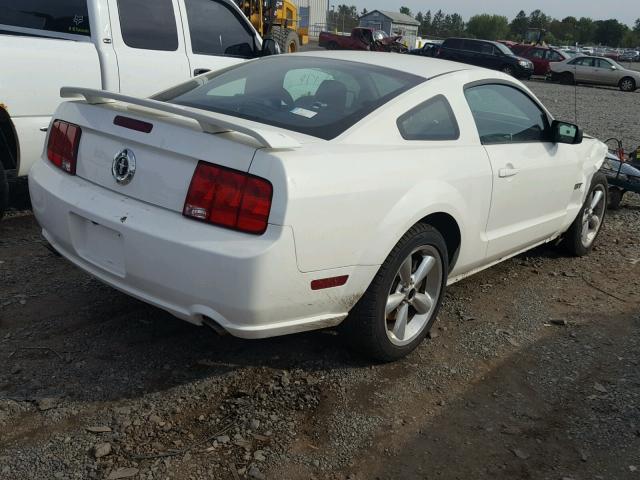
(624, 10)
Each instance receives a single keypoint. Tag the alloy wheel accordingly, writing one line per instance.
(593, 215)
(413, 295)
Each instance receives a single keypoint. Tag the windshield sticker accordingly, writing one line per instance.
(303, 112)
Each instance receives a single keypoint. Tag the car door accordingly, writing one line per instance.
(150, 51)
(604, 72)
(537, 57)
(217, 35)
(472, 53)
(533, 178)
(584, 69)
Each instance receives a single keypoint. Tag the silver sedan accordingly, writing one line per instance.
(595, 70)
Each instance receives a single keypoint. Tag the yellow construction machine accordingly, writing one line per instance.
(276, 19)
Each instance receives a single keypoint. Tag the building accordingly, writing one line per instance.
(393, 23)
(313, 16)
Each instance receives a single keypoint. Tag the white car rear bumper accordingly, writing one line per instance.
(249, 285)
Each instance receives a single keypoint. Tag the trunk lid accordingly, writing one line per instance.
(165, 158)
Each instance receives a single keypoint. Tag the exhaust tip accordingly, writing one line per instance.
(213, 325)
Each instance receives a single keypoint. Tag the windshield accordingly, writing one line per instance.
(380, 35)
(503, 48)
(315, 96)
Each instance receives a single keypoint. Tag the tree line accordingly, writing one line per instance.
(567, 31)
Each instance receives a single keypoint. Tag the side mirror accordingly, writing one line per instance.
(564, 132)
(613, 67)
(270, 47)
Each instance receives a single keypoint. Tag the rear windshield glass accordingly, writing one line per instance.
(315, 96)
(61, 16)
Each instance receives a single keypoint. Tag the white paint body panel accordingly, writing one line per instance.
(339, 206)
(34, 70)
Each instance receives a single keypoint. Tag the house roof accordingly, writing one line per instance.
(395, 17)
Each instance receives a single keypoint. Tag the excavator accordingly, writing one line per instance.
(278, 20)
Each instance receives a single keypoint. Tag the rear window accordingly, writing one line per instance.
(60, 16)
(148, 25)
(315, 96)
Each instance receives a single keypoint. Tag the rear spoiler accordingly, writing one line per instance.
(209, 122)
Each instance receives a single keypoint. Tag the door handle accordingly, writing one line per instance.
(508, 172)
(200, 71)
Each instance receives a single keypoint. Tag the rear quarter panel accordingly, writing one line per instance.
(350, 200)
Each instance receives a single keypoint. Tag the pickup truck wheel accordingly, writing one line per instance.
(402, 302)
(4, 191)
(584, 230)
(627, 84)
(332, 46)
(615, 198)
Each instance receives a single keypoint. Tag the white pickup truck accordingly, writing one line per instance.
(136, 47)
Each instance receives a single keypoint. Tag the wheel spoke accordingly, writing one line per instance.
(597, 196)
(393, 302)
(422, 302)
(400, 327)
(423, 270)
(405, 271)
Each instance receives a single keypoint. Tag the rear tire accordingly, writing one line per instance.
(4, 191)
(567, 78)
(584, 230)
(402, 303)
(627, 84)
(332, 46)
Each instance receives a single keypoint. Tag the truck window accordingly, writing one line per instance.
(216, 30)
(61, 16)
(148, 25)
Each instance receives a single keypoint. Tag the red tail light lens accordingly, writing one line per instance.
(229, 198)
(62, 149)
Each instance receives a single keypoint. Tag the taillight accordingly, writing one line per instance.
(62, 149)
(229, 198)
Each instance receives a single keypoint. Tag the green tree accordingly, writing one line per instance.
(636, 27)
(488, 27)
(519, 25)
(537, 19)
(425, 25)
(437, 24)
(610, 32)
(585, 31)
(406, 11)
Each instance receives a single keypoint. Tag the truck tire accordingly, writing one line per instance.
(333, 46)
(4, 191)
(291, 43)
(286, 38)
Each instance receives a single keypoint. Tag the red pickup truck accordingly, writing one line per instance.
(362, 38)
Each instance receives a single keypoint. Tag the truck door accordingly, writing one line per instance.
(217, 35)
(151, 54)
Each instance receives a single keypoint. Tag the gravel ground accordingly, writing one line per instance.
(531, 372)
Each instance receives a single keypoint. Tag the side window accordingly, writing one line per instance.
(602, 63)
(216, 30)
(505, 114)
(431, 120)
(452, 43)
(148, 25)
(537, 53)
(70, 16)
(554, 56)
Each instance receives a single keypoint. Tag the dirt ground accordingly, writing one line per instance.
(532, 372)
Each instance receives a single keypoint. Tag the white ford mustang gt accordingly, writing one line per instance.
(298, 192)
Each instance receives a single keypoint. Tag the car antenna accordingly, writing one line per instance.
(575, 96)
